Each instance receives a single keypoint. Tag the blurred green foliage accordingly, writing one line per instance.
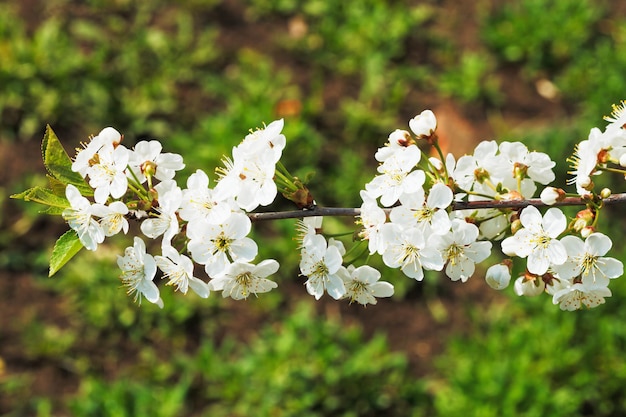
(531, 359)
(343, 75)
(544, 35)
(307, 366)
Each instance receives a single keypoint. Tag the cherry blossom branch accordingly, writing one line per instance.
(404, 215)
(483, 204)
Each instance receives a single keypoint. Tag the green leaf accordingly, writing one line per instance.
(59, 164)
(56, 186)
(45, 196)
(65, 248)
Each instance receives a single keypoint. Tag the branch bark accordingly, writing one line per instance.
(483, 204)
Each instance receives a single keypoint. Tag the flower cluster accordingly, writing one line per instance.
(407, 215)
(210, 222)
(418, 213)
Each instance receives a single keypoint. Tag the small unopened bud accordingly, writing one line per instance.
(424, 124)
(605, 193)
(516, 225)
(498, 276)
(551, 195)
(583, 219)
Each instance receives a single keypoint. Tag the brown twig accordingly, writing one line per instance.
(483, 204)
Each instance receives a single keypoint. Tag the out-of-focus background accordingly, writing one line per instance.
(198, 74)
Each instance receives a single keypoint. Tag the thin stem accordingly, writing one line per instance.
(614, 170)
(471, 205)
(443, 159)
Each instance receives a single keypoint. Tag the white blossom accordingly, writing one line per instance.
(461, 251)
(107, 175)
(529, 285)
(397, 176)
(550, 195)
(178, 269)
(363, 285)
(249, 176)
(498, 276)
(250, 181)
(472, 170)
(321, 263)
(217, 246)
(372, 218)
(574, 296)
(516, 159)
(242, 279)
(397, 140)
(88, 155)
(201, 203)
(146, 155)
(260, 141)
(431, 214)
(165, 220)
(138, 271)
(587, 260)
(80, 217)
(112, 217)
(407, 250)
(537, 240)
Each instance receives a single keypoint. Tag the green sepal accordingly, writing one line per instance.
(56, 203)
(65, 248)
(59, 164)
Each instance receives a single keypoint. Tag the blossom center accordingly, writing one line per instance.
(454, 253)
(410, 255)
(222, 243)
(425, 214)
(541, 240)
(131, 279)
(320, 270)
(244, 280)
(588, 263)
(358, 288)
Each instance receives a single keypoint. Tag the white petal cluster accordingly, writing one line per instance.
(249, 177)
(538, 239)
(242, 279)
(81, 218)
(363, 285)
(321, 263)
(147, 157)
(210, 223)
(138, 272)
